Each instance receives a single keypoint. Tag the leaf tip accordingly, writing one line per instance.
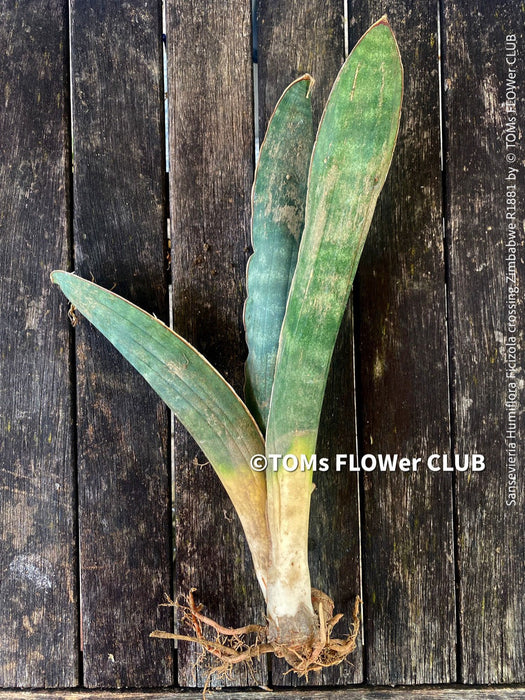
(305, 77)
(382, 21)
(56, 275)
(311, 83)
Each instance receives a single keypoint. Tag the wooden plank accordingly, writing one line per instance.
(485, 127)
(211, 170)
(296, 38)
(119, 227)
(38, 549)
(408, 557)
(450, 693)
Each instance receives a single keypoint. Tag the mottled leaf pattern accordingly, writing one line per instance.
(278, 202)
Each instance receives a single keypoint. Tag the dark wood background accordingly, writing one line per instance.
(89, 482)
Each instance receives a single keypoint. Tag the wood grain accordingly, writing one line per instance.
(38, 549)
(452, 693)
(296, 38)
(422, 534)
(408, 558)
(120, 242)
(491, 555)
(211, 171)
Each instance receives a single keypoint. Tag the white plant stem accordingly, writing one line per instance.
(291, 617)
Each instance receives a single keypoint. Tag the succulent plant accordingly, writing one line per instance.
(313, 201)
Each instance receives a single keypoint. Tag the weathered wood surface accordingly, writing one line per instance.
(451, 693)
(423, 535)
(485, 120)
(120, 234)
(211, 171)
(408, 546)
(38, 554)
(296, 38)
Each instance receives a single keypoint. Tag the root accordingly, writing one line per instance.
(232, 646)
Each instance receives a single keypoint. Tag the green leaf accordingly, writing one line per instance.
(278, 202)
(200, 398)
(350, 162)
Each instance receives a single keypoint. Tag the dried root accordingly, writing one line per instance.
(242, 645)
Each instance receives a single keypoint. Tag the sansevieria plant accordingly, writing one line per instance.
(313, 201)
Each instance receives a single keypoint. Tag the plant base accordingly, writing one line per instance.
(241, 645)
